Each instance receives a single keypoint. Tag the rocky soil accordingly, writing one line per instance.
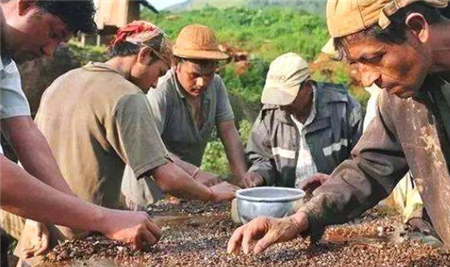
(195, 234)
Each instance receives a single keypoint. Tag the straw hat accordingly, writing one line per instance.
(197, 42)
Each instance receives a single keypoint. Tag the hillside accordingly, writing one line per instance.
(312, 6)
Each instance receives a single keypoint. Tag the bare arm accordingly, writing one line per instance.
(34, 152)
(233, 147)
(205, 178)
(43, 203)
(173, 180)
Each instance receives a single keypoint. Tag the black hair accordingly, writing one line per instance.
(395, 33)
(78, 15)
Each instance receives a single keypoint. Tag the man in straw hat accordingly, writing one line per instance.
(402, 47)
(97, 120)
(305, 129)
(188, 103)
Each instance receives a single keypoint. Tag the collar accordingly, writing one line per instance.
(101, 67)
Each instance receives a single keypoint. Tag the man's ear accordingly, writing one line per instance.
(25, 6)
(419, 26)
(145, 56)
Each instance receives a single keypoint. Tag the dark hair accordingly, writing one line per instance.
(124, 49)
(201, 62)
(395, 33)
(78, 15)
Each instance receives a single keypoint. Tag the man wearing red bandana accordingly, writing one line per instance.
(97, 120)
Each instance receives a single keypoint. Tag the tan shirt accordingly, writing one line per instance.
(96, 122)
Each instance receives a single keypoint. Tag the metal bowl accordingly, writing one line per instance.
(275, 202)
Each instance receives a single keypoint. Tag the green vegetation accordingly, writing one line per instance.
(312, 6)
(266, 32)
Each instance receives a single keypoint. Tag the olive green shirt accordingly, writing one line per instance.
(175, 121)
(96, 122)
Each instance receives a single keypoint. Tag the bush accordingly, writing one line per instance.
(215, 160)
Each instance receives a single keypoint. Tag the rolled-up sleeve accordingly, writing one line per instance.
(140, 141)
(259, 153)
(13, 101)
(357, 185)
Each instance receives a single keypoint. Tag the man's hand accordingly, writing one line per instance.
(207, 179)
(39, 242)
(131, 227)
(223, 192)
(266, 231)
(312, 183)
(252, 179)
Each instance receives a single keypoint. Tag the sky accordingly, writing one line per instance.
(161, 4)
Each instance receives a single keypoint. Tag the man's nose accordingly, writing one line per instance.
(200, 82)
(49, 49)
(368, 75)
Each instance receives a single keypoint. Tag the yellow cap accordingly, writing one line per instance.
(285, 75)
(345, 17)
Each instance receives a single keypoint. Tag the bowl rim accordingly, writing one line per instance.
(301, 194)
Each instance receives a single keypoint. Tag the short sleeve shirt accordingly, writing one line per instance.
(96, 122)
(13, 102)
(175, 122)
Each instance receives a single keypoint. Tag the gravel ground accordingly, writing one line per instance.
(199, 235)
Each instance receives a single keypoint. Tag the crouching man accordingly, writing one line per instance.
(402, 47)
(305, 129)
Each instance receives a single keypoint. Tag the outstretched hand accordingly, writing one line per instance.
(263, 232)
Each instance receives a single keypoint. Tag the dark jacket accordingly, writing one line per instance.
(272, 148)
(405, 132)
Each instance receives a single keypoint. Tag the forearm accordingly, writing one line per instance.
(173, 180)
(24, 195)
(233, 148)
(185, 166)
(34, 152)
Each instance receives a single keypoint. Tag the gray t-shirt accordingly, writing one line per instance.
(13, 101)
(173, 117)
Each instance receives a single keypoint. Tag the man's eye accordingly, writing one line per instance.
(373, 60)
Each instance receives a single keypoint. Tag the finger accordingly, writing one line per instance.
(138, 242)
(148, 238)
(43, 246)
(234, 244)
(28, 252)
(269, 239)
(153, 228)
(247, 240)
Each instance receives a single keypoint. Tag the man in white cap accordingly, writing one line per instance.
(305, 128)
(189, 102)
(402, 47)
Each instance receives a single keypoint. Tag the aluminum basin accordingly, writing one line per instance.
(275, 202)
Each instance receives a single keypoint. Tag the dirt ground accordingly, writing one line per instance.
(195, 234)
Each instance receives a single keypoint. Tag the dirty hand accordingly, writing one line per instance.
(252, 179)
(312, 183)
(208, 179)
(131, 227)
(223, 192)
(266, 231)
(40, 239)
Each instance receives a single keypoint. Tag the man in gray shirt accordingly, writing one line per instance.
(187, 104)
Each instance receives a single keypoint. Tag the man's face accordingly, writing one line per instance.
(195, 77)
(398, 68)
(32, 33)
(145, 76)
(302, 101)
